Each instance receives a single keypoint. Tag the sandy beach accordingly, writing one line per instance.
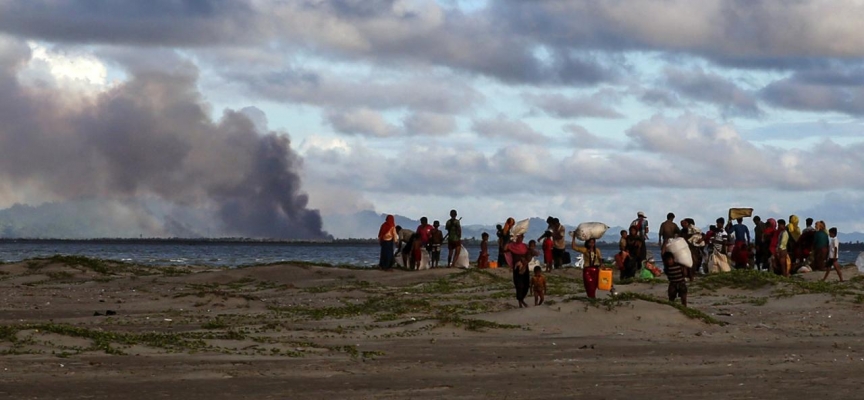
(76, 328)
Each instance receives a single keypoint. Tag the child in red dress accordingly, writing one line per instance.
(483, 259)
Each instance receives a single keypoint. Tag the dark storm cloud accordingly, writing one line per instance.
(711, 88)
(152, 136)
(151, 22)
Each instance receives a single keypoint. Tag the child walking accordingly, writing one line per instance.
(833, 252)
(675, 273)
(483, 259)
(538, 286)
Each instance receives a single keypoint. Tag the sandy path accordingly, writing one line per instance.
(304, 332)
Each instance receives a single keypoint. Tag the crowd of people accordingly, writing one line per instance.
(409, 244)
(775, 246)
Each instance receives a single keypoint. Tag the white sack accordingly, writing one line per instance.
(591, 230)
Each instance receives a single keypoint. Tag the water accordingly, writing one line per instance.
(232, 254)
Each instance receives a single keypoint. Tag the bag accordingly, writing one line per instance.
(681, 250)
(462, 261)
(718, 263)
(645, 273)
(590, 230)
(859, 262)
(520, 228)
(565, 258)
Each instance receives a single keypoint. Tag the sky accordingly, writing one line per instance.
(218, 117)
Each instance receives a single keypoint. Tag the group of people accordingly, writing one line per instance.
(396, 240)
(774, 245)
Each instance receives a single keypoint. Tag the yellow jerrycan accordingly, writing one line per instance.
(605, 282)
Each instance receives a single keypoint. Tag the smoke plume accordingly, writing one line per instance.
(151, 137)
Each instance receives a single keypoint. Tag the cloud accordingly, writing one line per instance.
(659, 97)
(387, 33)
(424, 123)
(582, 138)
(837, 89)
(594, 106)
(431, 94)
(805, 130)
(714, 89)
(729, 32)
(154, 23)
(502, 127)
(361, 122)
(366, 122)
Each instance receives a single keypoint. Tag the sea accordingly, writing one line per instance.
(233, 253)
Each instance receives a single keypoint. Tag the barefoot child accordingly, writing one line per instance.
(833, 251)
(538, 286)
(675, 273)
(483, 259)
(435, 241)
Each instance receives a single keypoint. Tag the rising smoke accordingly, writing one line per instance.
(151, 137)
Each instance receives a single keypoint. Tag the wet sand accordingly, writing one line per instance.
(311, 332)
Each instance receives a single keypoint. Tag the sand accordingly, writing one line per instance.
(313, 332)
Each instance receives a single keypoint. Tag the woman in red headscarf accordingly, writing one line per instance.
(387, 238)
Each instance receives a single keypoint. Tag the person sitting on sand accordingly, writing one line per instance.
(675, 273)
(591, 269)
(538, 286)
(483, 258)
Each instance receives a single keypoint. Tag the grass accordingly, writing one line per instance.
(93, 264)
(105, 341)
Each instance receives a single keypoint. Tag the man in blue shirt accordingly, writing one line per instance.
(741, 251)
(741, 232)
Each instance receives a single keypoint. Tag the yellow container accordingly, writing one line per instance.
(605, 281)
(493, 264)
